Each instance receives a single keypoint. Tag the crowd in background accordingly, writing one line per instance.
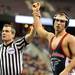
(33, 62)
(34, 65)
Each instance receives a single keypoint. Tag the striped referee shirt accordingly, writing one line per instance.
(10, 57)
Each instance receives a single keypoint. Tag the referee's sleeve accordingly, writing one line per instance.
(26, 43)
(21, 43)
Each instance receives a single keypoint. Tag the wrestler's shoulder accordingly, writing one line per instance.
(70, 36)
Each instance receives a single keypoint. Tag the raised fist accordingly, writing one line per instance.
(36, 6)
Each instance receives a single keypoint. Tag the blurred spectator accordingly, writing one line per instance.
(34, 65)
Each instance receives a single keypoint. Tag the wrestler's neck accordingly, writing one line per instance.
(61, 33)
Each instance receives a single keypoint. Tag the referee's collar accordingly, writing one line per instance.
(7, 44)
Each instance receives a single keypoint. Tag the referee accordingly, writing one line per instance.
(10, 50)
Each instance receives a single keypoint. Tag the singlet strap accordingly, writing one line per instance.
(68, 45)
(50, 44)
(59, 42)
(51, 41)
(63, 37)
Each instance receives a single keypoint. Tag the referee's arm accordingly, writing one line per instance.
(30, 35)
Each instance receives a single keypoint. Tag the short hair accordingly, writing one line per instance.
(62, 14)
(12, 28)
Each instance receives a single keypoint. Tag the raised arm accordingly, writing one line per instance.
(30, 35)
(37, 23)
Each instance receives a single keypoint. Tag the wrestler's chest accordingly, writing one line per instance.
(58, 41)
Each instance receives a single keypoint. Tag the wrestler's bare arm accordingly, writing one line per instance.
(72, 49)
(72, 44)
(30, 35)
(37, 23)
(71, 65)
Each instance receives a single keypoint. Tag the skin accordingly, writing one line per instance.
(60, 30)
(8, 36)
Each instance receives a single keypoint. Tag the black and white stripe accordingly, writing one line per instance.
(10, 57)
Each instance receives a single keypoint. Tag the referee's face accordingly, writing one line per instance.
(7, 35)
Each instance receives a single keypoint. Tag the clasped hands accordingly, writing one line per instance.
(36, 9)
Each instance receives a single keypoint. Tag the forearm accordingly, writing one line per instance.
(71, 65)
(37, 24)
(29, 37)
(37, 21)
(38, 27)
